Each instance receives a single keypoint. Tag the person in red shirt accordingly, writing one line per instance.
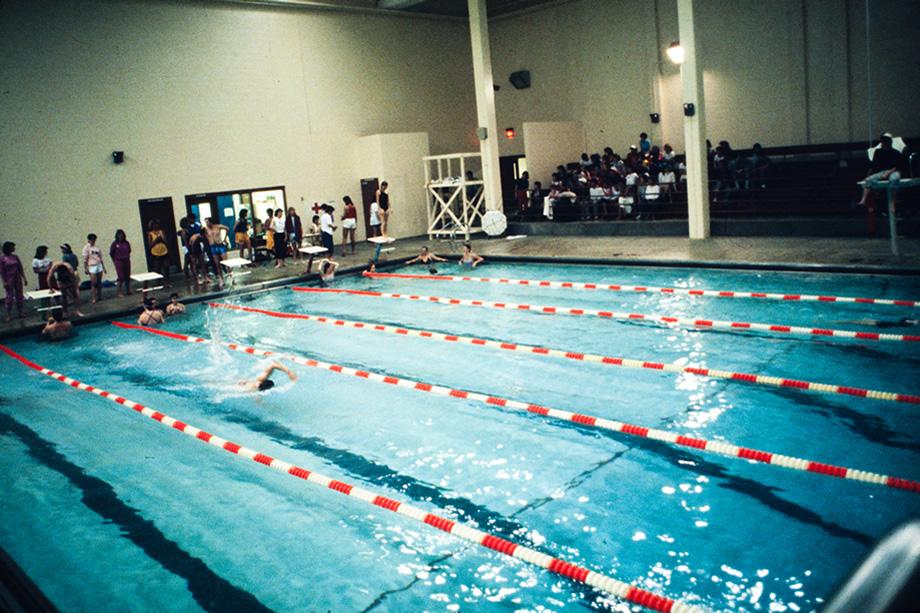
(349, 224)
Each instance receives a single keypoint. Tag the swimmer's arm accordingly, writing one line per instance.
(290, 373)
(272, 368)
(438, 259)
(417, 258)
(476, 260)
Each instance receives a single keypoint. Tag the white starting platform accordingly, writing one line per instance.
(890, 188)
(312, 251)
(43, 294)
(146, 278)
(235, 264)
(380, 241)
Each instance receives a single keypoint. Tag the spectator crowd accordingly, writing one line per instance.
(203, 246)
(612, 186)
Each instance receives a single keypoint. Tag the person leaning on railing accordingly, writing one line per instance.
(887, 165)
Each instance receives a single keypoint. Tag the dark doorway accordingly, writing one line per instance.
(369, 189)
(510, 172)
(160, 209)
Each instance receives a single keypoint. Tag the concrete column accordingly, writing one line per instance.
(691, 76)
(485, 104)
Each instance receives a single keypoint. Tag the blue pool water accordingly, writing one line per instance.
(108, 510)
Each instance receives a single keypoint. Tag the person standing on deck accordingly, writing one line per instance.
(327, 229)
(94, 266)
(120, 252)
(383, 201)
(14, 278)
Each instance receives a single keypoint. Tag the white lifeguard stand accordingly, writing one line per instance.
(455, 204)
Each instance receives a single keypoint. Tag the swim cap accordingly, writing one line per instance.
(266, 385)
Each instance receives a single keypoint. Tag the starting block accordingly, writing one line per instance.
(380, 241)
(146, 278)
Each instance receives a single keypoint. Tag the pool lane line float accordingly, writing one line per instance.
(712, 293)
(718, 447)
(580, 574)
(811, 386)
(667, 320)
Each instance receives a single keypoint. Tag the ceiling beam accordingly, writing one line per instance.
(397, 4)
(330, 5)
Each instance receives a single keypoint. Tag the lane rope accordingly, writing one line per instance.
(795, 384)
(718, 447)
(580, 574)
(713, 293)
(708, 324)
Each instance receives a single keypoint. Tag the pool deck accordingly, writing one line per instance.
(825, 254)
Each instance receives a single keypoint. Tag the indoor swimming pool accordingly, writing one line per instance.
(414, 399)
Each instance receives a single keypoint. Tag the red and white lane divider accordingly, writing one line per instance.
(610, 585)
(708, 324)
(713, 293)
(825, 388)
(718, 447)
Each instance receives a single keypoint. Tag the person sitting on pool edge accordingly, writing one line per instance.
(174, 307)
(57, 328)
(469, 258)
(262, 383)
(150, 314)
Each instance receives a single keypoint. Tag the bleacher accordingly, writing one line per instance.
(803, 181)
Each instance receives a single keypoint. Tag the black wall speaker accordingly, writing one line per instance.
(520, 79)
(655, 117)
(118, 157)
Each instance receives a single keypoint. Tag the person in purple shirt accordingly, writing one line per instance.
(120, 252)
(14, 278)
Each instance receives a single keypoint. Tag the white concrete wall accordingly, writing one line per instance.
(550, 143)
(207, 97)
(779, 72)
(396, 159)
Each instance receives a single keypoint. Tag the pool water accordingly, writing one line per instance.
(105, 509)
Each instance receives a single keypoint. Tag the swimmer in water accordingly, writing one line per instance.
(262, 383)
(469, 258)
(327, 268)
(57, 328)
(425, 257)
(904, 322)
(175, 307)
(150, 314)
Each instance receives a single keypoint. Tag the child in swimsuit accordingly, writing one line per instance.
(57, 328)
(327, 268)
(425, 257)
(14, 278)
(63, 278)
(150, 314)
(174, 307)
(469, 258)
